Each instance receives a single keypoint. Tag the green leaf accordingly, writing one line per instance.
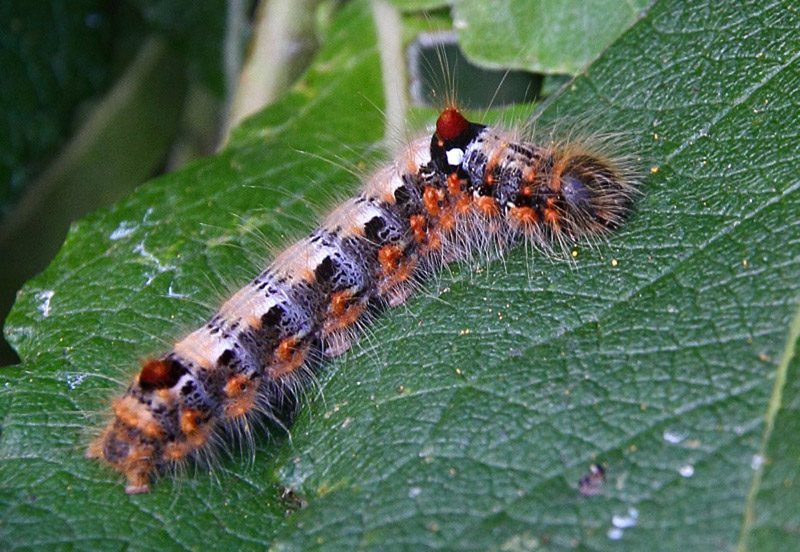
(545, 36)
(771, 519)
(52, 58)
(465, 419)
(196, 30)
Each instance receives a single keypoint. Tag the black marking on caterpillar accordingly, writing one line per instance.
(436, 203)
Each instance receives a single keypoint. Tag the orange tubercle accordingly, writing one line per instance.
(133, 413)
(236, 386)
(418, 226)
(464, 204)
(288, 357)
(551, 217)
(447, 221)
(339, 301)
(432, 199)
(524, 216)
(454, 184)
(190, 420)
(342, 312)
(488, 206)
(529, 175)
(389, 256)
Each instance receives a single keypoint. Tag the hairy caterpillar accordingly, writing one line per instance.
(468, 189)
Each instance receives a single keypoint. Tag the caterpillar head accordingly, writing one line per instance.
(449, 143)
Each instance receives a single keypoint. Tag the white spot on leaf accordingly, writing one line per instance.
(74, 380)
(44, 298)
(673, 438)
(124, 230)
(624, 522)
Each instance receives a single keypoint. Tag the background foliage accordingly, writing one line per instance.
(467, 417)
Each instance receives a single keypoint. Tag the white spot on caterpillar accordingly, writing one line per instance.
(455, 156)
(686, 471)
(44, 298)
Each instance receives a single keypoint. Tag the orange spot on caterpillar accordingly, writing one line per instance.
(242, 405)
(405, 270)
(352, 315)
(288, 357)
(488, 206)
(190, 420)
(338, 305)
(454, 184)
(524, 216)
(285, 349)
(464, 205)
(434, 242)
(389, 256)
(175, 450)
(450, 124)
(418, 226)
(447, 222)
(134, 414)
(552, 217)
(432, 199)
(236, 386)
(342, 312)
(395, 268)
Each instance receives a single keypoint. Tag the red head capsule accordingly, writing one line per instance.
(450, 124)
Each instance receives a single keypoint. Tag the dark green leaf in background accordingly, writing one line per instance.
(467, 417)
(51, 57)
(96, 98)
(196, 30)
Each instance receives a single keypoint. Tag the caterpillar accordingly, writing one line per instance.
(467, 189)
